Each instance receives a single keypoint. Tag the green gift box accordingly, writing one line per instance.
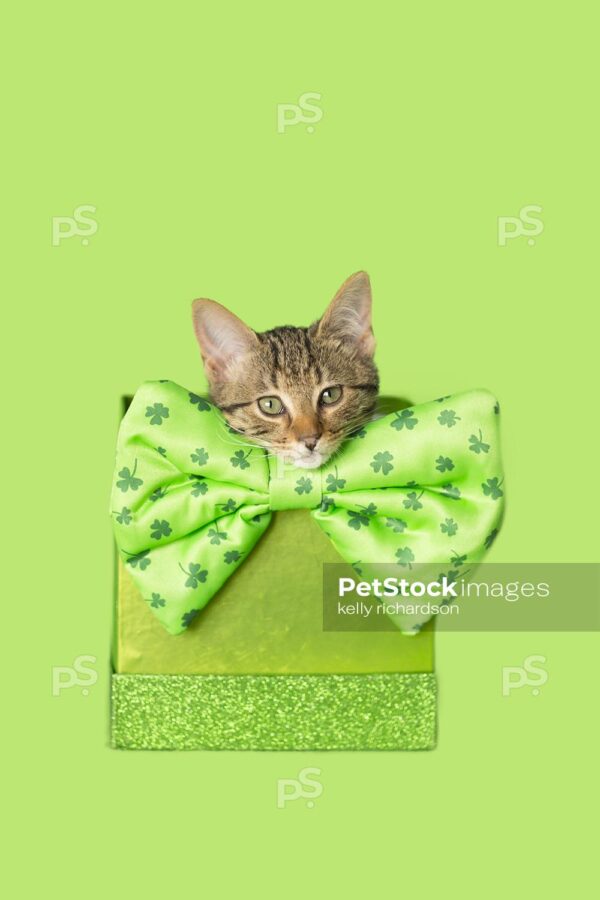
(256, 670)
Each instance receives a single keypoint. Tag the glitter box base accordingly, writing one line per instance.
(274, 712)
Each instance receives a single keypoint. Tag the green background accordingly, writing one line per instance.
(436, 120)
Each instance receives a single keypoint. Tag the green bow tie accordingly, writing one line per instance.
(191, 498)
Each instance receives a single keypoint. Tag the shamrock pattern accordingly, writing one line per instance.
(326, 503)
(303, 486)
(444, 464)
(448, 417)
(188, 617)
(160, 528)
(477, 444)
(397, 525)
(491, 488)
(217, 536)
(412, 501)
(361, 517)
(404, 419)
(449, 527)
(196, 574)
(457, 560)
(124, 517)
(451, 491)
(199, 456)
(229, 506)
(382, 462)
(139, 560)
(240, 459)
(334, 483)
(157, 413)
(156, 601)
(158, 494)
(201, 404)
(451, 575)
(127, 480)
(231, 556)
(405, 557)
(490, 538)
(200, 486)
(161, 450)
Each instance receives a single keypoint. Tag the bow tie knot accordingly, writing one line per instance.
(292, 488)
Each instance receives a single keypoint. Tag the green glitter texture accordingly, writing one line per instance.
(274, 712)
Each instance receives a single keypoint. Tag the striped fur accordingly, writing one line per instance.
(296, 365)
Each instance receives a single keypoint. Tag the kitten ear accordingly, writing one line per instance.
(223, 338)
(348, 316)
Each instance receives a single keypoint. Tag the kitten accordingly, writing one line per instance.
(298, 392)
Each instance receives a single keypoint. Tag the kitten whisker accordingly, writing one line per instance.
(262, 445)
(349, 428)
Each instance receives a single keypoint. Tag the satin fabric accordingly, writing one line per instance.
(190, 497)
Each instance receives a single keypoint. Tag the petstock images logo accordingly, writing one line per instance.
(462, 596)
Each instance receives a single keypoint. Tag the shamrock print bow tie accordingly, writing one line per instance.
(191, 498)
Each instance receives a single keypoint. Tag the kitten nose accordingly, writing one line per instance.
(310, 440)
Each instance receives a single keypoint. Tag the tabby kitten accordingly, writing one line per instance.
(298, 392)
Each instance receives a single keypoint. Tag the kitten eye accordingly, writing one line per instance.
(330, 395)
(272, 406)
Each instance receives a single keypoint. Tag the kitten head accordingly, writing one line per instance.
(298, 392)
